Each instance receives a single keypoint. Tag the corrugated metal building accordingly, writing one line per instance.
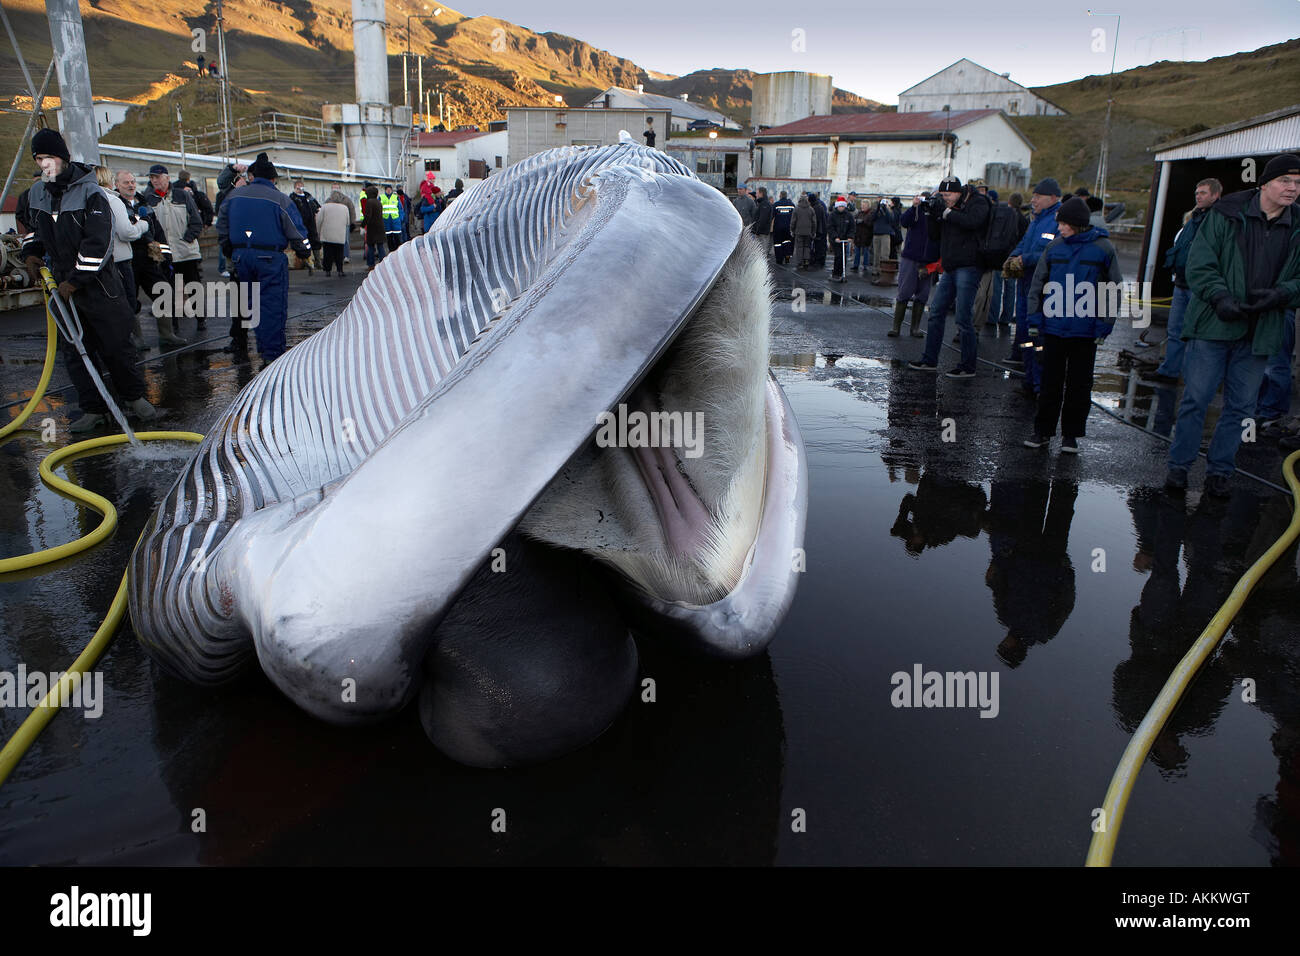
(537, 128)
(683, 111)
(1234, 154)
(965, 85)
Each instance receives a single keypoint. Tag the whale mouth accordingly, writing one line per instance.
(335, 513)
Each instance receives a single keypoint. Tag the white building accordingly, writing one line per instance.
(465, 155)
(896, 154)
(537, 128)
(723, 162)
(968, 86)
(683, 111)
(108, 113)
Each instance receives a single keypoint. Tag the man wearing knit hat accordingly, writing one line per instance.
(1243, 269)
(256, 223)
(1045, 202)
(72, 225)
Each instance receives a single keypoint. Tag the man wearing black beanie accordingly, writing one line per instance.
(72, 224)
(1243, 270)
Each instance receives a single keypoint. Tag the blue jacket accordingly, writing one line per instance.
(1041, 231)
(1176, 257)
(1068, 309)
(918, 246)
(269, 214)
(883, 220)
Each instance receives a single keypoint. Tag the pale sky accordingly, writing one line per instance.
(879, 49)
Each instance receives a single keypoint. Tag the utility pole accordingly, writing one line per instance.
(419, 68)
(77, 108)
(947, 141)
(180, 129)
(1103, 158)
(225, 90)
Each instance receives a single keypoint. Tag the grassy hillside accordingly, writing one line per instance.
(1155, 103)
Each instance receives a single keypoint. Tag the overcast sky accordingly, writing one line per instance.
(879, 49)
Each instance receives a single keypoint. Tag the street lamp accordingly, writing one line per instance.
(1103, 158)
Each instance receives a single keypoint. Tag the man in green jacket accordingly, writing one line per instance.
(1244, 272)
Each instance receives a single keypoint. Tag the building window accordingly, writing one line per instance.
(701, 165)
(1013, 107)
(857, 162)
(498, 162)
(819, 156)
(433, 165)
(783, 162)
(715, 164)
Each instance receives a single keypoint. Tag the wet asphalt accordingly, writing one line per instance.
(1075, 582)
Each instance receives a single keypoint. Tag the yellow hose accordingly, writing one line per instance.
(30, 728)
(1102, 847)
(51, 347)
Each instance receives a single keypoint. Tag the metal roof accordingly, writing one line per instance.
(1272, 132)
(1002, 76)
(880, 126)
(684, 109)
(445, 138)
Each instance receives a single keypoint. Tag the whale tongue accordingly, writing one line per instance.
(349, 588)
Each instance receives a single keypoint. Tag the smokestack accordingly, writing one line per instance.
(370, 51)
(640, 87)
(77, 111)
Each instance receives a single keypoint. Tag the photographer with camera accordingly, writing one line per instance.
(959, 216)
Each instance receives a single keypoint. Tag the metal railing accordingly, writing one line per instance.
(266, 128)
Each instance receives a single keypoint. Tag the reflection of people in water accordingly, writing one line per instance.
(940, 510)
(1030, 571)
(1169, 617)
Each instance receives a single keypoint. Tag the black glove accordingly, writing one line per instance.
(302, 254)
(1266, 300)
(937, 205)
(1229, 309)
(66, 289)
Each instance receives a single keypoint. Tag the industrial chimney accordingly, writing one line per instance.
(373, 134)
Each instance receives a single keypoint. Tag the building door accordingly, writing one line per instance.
(729, 165)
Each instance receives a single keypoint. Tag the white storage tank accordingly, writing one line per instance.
(781, 98)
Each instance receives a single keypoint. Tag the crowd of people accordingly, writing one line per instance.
(995, 264)
(113, 246)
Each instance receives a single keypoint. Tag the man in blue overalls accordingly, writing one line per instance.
(256, 223)
(1046, 202)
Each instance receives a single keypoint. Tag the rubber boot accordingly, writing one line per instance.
(900, 310)
(918, 310)
(167, 335)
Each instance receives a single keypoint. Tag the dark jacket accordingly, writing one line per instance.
(960, 230)
(72, 223)
(1072, 263)
(267, 213)
(918, 245)
(882, 220)
(373, 217)
(140, 248)
(762, 216)
(782, 218)
(842, 224)
(862, 227)
(1176, 257)
(1216, 266)
(206, 212)
(823, 216)
(307, 209)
